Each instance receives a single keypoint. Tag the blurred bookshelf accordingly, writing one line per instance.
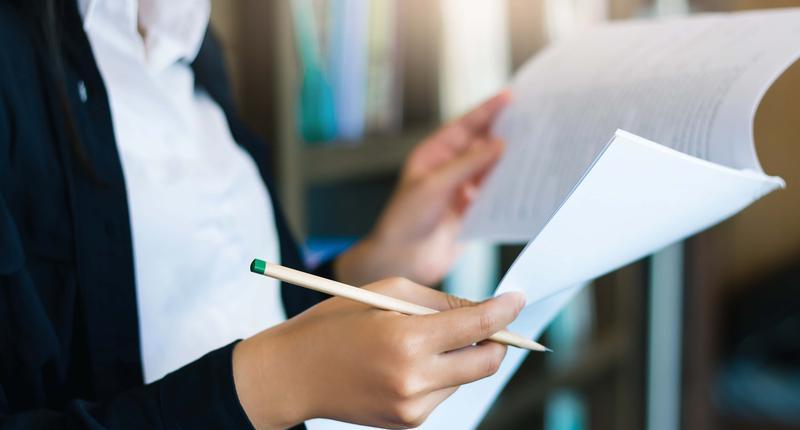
(605, 371)
(370, 157)
(379, 156)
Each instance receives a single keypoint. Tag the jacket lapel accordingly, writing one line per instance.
(104, 255)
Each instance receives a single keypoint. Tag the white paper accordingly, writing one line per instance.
(690, 84)
(637, 198)
(629, 205)
(587, 205)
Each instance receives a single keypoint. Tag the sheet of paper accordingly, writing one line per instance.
(689, 84)
(633, 199)
(589, 205)
(466, 408)
(638, 197)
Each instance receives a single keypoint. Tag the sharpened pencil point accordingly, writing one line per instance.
(548, 350)
(258, 266)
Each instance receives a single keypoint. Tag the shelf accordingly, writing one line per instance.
(600, 357)
(371, 157)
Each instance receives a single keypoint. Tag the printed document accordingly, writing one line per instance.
(619, 142)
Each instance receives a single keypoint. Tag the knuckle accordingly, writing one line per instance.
(486, 323)
(395, 284)
(403, 387)
(397, 387)
(492, 366)
(455, 302)
(494, 359)
(406, 345)
(399, 281)
(415, 421)
(407, 415)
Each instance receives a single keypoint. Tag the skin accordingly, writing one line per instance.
(416, 235)
(349, 362)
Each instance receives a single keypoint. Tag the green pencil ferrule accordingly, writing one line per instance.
(258, 266)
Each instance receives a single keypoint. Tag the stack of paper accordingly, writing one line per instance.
(588, 197)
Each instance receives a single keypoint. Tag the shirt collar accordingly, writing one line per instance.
(174, 29)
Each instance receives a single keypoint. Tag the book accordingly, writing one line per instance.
(621, 140)
(384, 96)
(316, 116)
(475, 63)
(349, 58)
(475, 60)
(347, 66)
(419, 23)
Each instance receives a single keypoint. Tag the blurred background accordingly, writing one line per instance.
(702, 335)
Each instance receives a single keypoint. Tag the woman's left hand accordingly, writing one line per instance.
(416, 235)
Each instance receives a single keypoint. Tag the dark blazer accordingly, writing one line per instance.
(69, 342)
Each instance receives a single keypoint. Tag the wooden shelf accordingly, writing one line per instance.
(371, 157)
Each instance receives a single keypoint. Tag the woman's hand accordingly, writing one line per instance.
(415, 236)
(346, 361)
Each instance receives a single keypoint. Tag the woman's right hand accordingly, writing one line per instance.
(347, 361)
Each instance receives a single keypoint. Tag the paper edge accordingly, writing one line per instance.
(771, 183)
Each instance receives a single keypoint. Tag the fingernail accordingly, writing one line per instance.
(517, 296)
(494, 145)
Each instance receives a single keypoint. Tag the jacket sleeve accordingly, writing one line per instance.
(200, 395)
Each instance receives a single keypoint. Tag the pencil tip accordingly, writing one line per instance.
(546, 349)
(258, 266)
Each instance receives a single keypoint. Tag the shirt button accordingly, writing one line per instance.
(84, 95)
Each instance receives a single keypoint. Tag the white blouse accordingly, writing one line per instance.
(199, 209)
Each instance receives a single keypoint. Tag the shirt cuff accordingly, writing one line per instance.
(202, 395)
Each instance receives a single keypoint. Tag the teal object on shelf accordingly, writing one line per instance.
(316, 116)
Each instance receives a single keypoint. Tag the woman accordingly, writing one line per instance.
(132, 199)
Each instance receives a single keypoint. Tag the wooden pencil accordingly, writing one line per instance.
(334, 288)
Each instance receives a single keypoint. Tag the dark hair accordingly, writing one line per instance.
(45, 18)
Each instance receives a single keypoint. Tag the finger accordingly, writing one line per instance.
(480, 119)
(419, 294)
(457, 328)
(469, 164)
(459, 134)
(471, 363)
(469, 191)
(466, 196)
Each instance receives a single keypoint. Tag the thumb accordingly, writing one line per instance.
(462, 326)
(474, 161)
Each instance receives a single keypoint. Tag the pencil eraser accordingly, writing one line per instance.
(258, 266)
